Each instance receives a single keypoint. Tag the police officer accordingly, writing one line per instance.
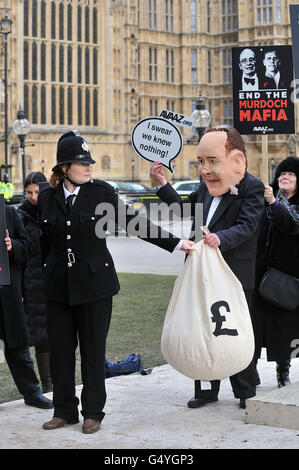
(7, 188)
(80, 279)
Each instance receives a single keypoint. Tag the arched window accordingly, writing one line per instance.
(34, 61)
(79, 28)
(43, 62)
(43, 104)
(53, 20)
(87, 107)
(69, 63)
(61, 63)
(34, 104)
(43, 19)
(69, 22)
(86, 24)
(34, 18)
(53, 105)
(86, 65)
(95, 25)
(26, 100)
(53, 63)
(61, 105)
(26, 59)
(79, 65)
(95, 66)
(95, 107)
(26, 18)
(69, 105)
(79, 106)
(61, 21)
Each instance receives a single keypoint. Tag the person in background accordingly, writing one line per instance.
(13, 330)
(278, 246)
(7, 188)
(33, 282)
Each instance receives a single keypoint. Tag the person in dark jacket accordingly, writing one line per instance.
(232, 202)
(33, 282)
(12, 319)
(80, 278)
(278, 247)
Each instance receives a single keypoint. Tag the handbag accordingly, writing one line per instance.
(280, 289)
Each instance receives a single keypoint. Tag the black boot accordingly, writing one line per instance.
(43, 365)
(200, 398)
(282, 371)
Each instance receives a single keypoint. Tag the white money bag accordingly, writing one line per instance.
(207, 332)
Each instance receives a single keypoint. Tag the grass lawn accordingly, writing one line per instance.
(136, 326)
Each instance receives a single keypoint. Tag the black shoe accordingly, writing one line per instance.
(282, 370)
(243, 403)
(198, 402)
(39, 401)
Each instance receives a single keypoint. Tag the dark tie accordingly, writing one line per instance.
(69, 202)
(249, 80)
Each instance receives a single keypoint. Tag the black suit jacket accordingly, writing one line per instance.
(235, 221)
(78, 266)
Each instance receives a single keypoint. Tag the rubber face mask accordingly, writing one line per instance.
(219, 170)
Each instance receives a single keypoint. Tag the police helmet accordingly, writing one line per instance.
(72, 148)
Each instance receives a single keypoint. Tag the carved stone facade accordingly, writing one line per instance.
(102, 65)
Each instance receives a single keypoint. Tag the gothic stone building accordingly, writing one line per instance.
(102, 65)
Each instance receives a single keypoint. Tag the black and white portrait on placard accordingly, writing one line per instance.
(263, 89)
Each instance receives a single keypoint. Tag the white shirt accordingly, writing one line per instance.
(67, 193)
(249, 86)
(215, 203)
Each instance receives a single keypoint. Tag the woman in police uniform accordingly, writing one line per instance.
(80, 280)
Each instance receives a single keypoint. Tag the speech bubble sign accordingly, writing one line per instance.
(157, 139)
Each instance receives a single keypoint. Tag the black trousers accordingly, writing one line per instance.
(243, 383)
(87, 324)
(22, 370)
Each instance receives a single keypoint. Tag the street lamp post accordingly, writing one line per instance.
(21, 127)
(5, 29)
(133, 168)
(201, 118)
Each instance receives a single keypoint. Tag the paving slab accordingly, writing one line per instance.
(278, 407)
(150, 412)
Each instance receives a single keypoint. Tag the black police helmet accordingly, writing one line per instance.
(72, 148)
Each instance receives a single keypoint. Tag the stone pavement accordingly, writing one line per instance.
(150, 412)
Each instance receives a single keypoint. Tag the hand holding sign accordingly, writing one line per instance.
(155, 139)
(157, 173)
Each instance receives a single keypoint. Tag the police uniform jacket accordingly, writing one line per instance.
(78, 267)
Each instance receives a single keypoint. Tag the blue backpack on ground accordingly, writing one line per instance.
(129, 365)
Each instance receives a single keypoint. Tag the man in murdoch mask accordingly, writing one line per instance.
(233, 204)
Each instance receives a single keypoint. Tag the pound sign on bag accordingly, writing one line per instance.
(218, 319)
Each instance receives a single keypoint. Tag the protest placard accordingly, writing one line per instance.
(156, 139)
(263, 90)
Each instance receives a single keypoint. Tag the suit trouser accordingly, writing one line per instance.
(22, 370)
(243, 383)
(20, 365)
(88, 323)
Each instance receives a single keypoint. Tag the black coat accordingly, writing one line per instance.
(13, 325)
(278, 246)
(78, 266)
(33, 279)
(235, 221)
